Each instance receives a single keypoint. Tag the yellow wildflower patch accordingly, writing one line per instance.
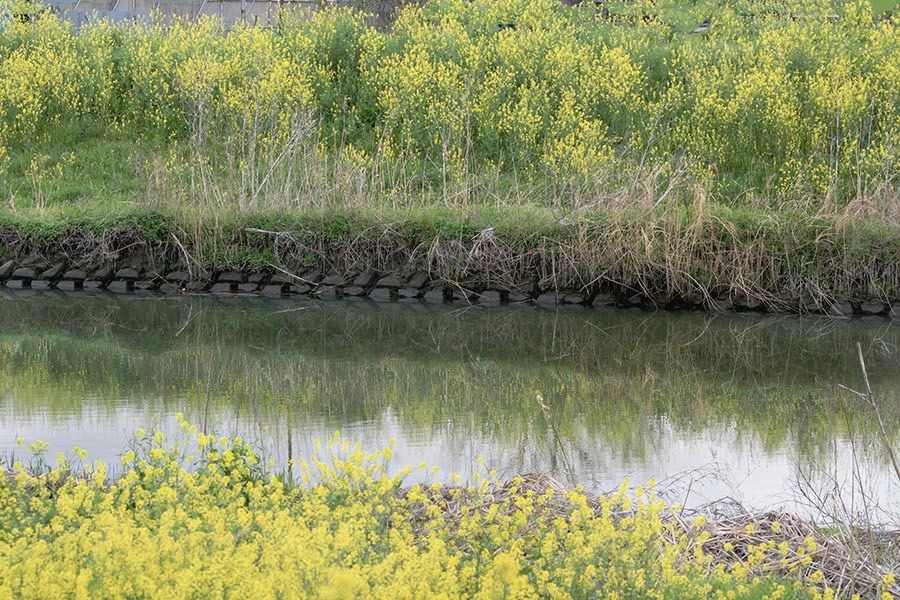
(221, 525)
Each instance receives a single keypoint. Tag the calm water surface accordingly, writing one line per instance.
(741, 406)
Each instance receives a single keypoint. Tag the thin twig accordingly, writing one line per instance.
(884, 436)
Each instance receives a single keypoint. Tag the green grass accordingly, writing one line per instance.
(207, 124)
(756, 160)
(82, 165)
(882, 6)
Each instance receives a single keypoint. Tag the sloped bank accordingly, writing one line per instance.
(716, 259)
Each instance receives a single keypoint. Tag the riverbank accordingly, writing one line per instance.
(711, 258)
(200, 513)
(505, 152)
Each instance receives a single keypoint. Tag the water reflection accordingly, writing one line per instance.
(630, 394)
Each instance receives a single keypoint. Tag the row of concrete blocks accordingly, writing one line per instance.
(311, 282)
(367, 284)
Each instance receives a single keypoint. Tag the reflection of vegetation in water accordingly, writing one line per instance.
(617, 379)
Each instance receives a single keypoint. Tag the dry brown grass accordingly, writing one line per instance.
(671, 247)
(851, 560)
(849, 563)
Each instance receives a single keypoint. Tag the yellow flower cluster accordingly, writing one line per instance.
(804, 106)
(201, 517)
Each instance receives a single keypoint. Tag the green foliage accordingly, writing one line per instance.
(564, 139)
(762, 107)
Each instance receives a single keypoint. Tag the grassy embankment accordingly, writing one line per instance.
(755, 161)
(202, 517)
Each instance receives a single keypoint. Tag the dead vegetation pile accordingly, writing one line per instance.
(847, 558)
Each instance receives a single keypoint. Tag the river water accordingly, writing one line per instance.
(746, 407)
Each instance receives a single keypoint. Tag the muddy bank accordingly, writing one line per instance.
(714, 261)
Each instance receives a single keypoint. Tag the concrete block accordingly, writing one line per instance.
(25, 273)
(490, 298)
(390, 281)
(311, 277)
(223, 288)
(873, 308)
(300, 288)
(170, 288)
(178, 277)
(409, 292)
(573, 299)
(273, 290)
(128, 274)
(720, 306)
(102, 274)
(418, 280)
(231, 277)
(7, 268)
(74, 275)
(603, 299)
(281, 277)
(327, 292)
(70, 285)
(548, 299)
(121, 286)
(382, 294)
(334, 280)
(462, 295)
(354, 291)
(366, 279)
(435, 296)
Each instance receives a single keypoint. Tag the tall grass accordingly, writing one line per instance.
(567, 109)
(574, 149)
